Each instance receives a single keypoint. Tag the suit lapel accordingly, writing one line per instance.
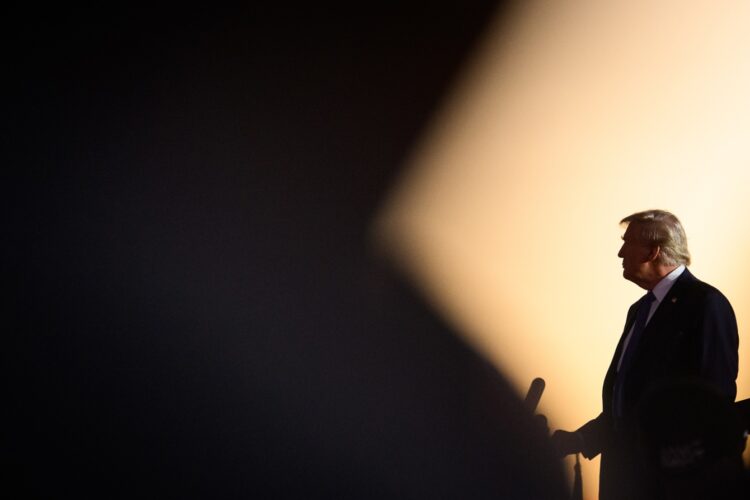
(665, 313)
(611, 372)
(671, 300)
(628, 325)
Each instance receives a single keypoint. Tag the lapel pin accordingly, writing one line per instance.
(674, 300)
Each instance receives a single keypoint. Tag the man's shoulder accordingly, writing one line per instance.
(697, 290)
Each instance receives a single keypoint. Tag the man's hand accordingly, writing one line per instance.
(567, 443)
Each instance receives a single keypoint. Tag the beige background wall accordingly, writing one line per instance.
(570, 116)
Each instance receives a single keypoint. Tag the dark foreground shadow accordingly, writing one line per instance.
(194, 313)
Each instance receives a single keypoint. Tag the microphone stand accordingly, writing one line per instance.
(577, 481)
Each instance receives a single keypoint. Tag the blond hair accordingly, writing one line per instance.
(663, 229)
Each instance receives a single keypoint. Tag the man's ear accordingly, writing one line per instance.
(654, 253)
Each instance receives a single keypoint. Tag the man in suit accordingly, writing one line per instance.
(681, 328)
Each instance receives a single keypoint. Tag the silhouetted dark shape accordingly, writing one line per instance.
(195, 312)
(534, 394)
(691, 439)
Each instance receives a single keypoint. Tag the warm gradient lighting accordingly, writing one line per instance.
(569, 117)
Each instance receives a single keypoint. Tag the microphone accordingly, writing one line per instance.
(535, 394)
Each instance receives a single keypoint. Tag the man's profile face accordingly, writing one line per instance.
(635, 255)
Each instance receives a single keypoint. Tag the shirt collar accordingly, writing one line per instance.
(662, 287)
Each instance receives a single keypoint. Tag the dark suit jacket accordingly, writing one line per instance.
(693, 333)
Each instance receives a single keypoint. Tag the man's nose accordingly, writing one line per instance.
(619, 254)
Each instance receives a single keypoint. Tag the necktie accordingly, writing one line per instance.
(641, 316)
